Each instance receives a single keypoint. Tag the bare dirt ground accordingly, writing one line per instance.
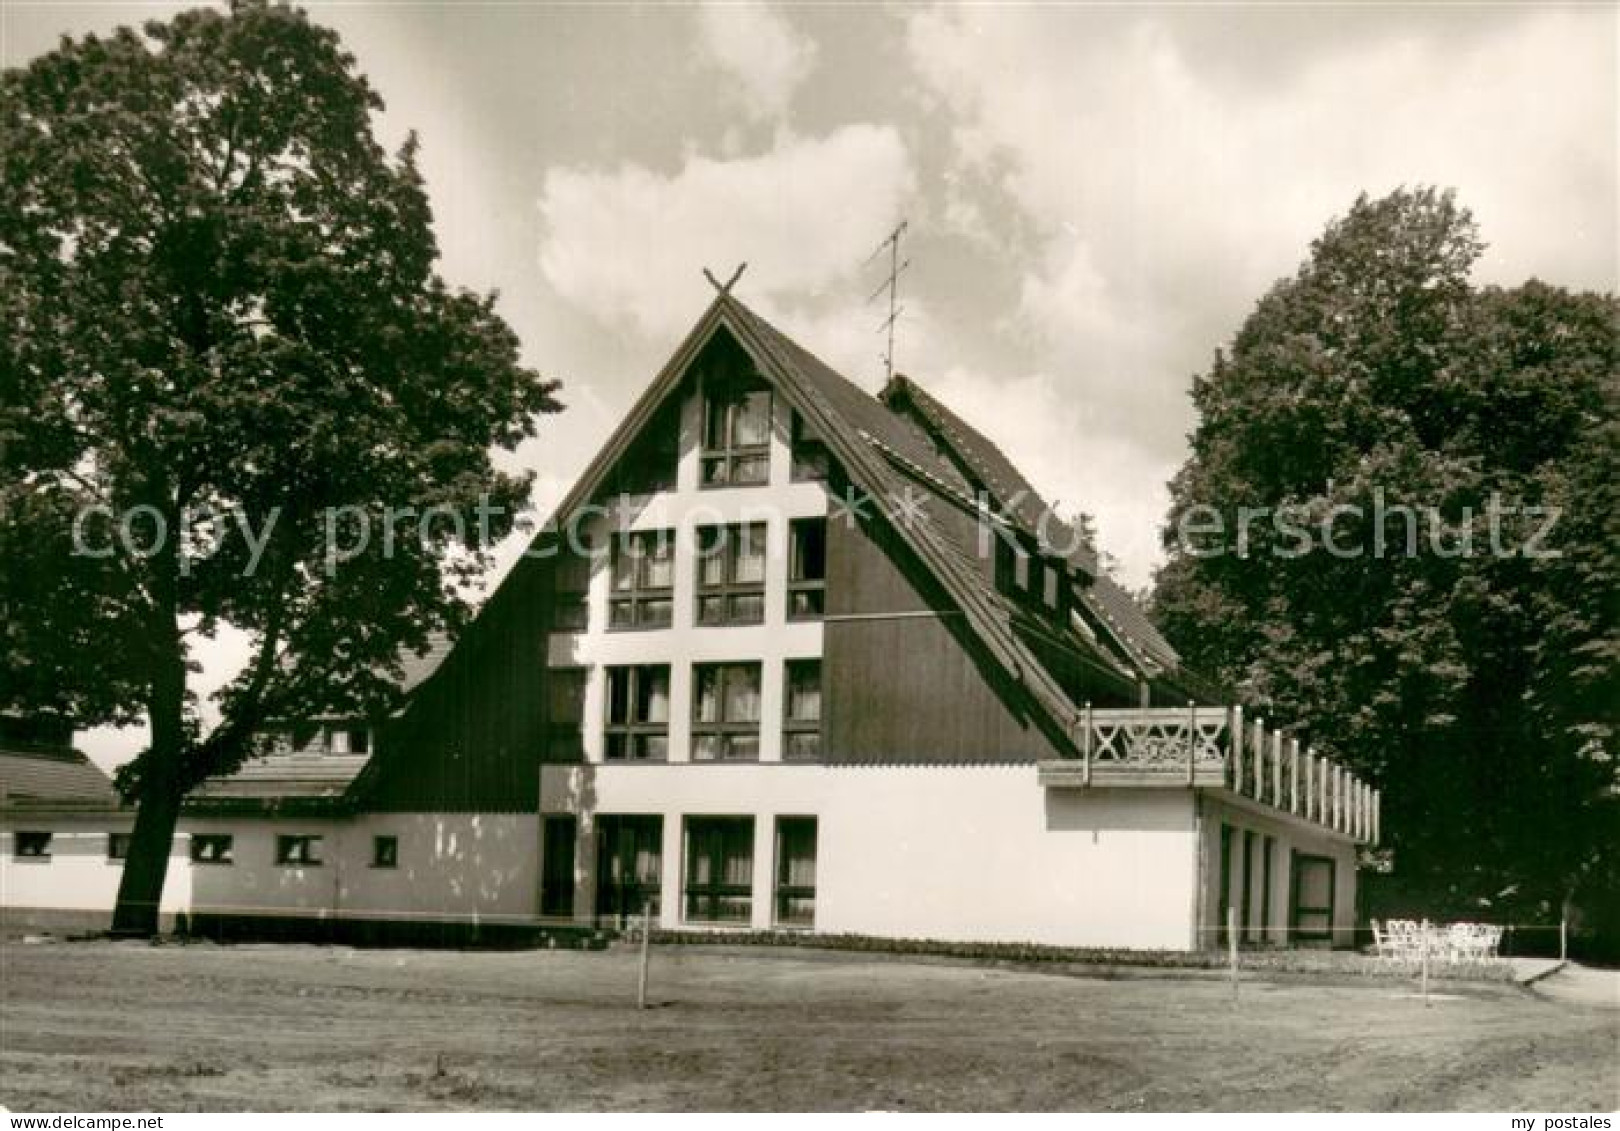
(100, 1026)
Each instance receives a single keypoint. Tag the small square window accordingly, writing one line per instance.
(385, 852)
(299, 850)
(31, 845)
(212, 848)
(118, 846)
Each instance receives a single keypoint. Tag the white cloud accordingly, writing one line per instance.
(1165, 192)
(762, 54)
(628, 243)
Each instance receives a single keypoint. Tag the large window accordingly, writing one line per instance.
(629, 860)
(731, 574)
(725, 713)
(638, 713)
(565, 719)
(807, 568)
(212, 848)
(801, 724)
(298, 850)
(31, 845)
(570, 592)
(385, 851)
(719, 869)
(643, 580)
(796, 871)
(736, 436)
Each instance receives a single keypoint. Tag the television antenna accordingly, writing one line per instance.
(892, 285)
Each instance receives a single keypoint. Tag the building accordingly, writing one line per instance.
(795, 657)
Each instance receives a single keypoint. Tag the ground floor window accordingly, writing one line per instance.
(385, 852)
(1312, 917)
(629, 864)
(719, 869)
(31, 845)
(796, 871)
(558, 835)
(211, 848)
(300, 849)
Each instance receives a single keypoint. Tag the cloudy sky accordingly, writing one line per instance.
(1097, 194)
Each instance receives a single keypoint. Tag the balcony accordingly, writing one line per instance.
(1215, 748)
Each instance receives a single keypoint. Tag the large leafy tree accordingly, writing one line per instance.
(233, 390)
(1476, 683)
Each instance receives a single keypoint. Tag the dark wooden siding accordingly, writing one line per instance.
(473, 737)
(901, 684)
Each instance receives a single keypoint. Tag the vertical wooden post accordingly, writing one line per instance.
(1232, 948)
(1293, 775)
(1563, 937)
(646, 942)
(1322, 786)
(1377, 813)
(1192, 742)
(1085, 744)
(1276, 770)
(1423, 936)
(1234, 732)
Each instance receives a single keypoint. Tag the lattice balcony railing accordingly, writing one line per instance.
(1216, 746)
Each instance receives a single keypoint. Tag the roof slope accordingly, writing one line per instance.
(53, 778)
(999, 476)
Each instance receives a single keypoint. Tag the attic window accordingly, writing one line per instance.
(810, 459)
(736, 435)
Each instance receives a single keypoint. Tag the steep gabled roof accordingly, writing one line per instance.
(990, 469)
(934, 463)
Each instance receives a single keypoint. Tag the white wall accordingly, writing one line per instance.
(473, 867)
(945, 852)
(684, 510)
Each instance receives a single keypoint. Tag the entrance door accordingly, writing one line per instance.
(1312, 916)
(629, 863)
(557, 865)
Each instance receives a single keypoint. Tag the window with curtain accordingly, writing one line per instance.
(637, 713)
(736, 435)
(643, 580)
(719, 869)
(629, 862)
(725, 712)
(801, 724)
(731, 574)
(796, 871)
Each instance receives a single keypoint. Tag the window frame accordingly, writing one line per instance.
(732, 537)
(715, 891)
(113, 841)
(728, 454)
(781, 889)
(626, 899)
(377, 855)
(309, 857)
(635, 732)
(565, 740)
(226, 843)
(799, 584)
(810, 460)
(724, 729)
(41, 839)
(640, 593)
(569, 593)
(792, 726)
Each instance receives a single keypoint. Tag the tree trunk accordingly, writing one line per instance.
(140, 888)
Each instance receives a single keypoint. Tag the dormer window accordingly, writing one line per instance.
(736, 435)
